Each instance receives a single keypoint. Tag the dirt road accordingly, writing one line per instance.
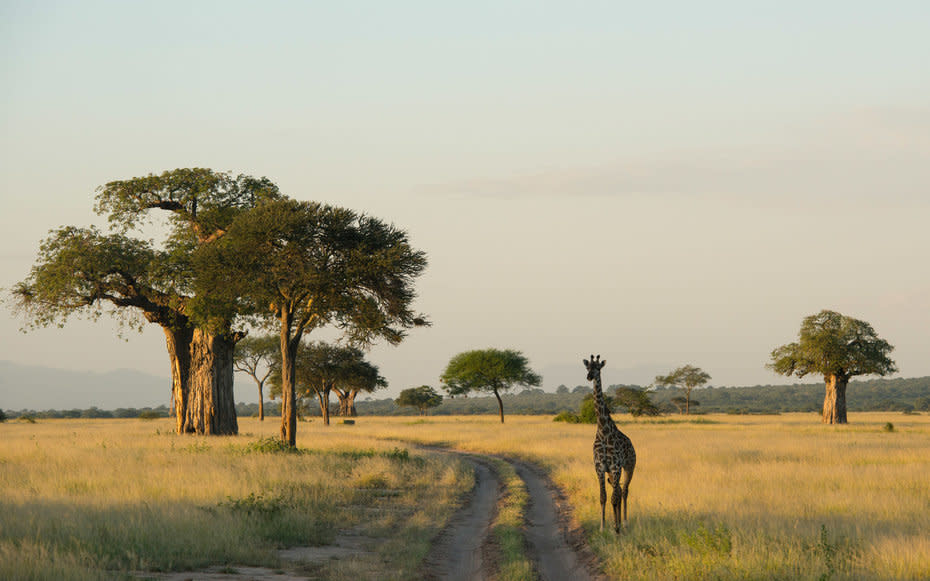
(465, 551)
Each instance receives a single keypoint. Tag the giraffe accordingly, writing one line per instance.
(613, 450)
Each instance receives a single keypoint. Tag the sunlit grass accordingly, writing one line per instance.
(721, 497)
(734, 497)
(82, 497)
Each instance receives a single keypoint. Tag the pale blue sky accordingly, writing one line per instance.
(665, 183)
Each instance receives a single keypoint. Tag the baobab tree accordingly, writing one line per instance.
(838, 348)
(82, 271)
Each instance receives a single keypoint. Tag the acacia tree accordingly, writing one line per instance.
(82, 271)
(837, 347)
(686, 377)
(256, 357)
(491, 370)
(422, 398)
(299, 266)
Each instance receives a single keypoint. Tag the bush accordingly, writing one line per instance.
(568, 417)
(149, 415)
(2, 417)
(269, 445)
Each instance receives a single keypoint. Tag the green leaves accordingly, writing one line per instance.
(832, 344)
(78, 269)
(686, 376)
(202, 202)
(317, 264)
(492, 370)
(422, 398)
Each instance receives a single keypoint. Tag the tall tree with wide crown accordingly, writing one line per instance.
(82, 271)
(299, 266)
(839, 348)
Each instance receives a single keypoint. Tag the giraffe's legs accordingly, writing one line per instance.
(600, 481)
(615, 498)
(625, 487)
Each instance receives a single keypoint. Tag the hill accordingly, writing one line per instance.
(39, 388)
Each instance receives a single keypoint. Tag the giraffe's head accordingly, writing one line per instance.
(594, 366)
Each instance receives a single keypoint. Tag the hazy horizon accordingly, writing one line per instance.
(658, 184)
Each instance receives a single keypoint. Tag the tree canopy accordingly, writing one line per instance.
(838, 348)
(490, 370)
(686, 377)
(298, 266)
(83, 271)
(422, 398)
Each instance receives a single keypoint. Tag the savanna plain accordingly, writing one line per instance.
(713, 496)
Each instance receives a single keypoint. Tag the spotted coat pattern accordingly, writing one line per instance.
(613, 451)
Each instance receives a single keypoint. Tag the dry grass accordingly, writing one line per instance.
(722, 497)
(736, 497)
(81, 498)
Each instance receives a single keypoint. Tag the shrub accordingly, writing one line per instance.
(889, 427)
(149, 415)
(269, 445)
(2, 416)
(568, 417)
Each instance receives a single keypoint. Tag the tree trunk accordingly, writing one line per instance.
(261, 404)
(323, 396)
(834, 402)
(343, 402)
(688, 402)
(179, 353)
(500, 404)
(211, 405)
(288, 386)
(350, 403)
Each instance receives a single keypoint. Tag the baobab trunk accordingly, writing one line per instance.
(834, 402)
(211, 405)
(179, 353)
(347, 402)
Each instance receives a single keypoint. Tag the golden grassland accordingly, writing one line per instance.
(81, 499)
(719, 497)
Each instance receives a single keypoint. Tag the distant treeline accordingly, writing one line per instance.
(902, 395)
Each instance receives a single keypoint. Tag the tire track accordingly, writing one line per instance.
(459, 554)
(557, 551)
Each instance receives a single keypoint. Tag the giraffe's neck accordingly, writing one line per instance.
(600, 404)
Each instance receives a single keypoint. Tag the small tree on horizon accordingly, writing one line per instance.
(686, 377)
(837, 347)
(253, 353)
(637, 401)
(490, 370)
(423, 398)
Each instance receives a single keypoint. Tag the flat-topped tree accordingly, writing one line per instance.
(422, 398)
(300, 266)
(491, 370)
(839, 348)
(81, 271)
(686, 377)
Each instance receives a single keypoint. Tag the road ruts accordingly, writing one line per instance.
(461, 551)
